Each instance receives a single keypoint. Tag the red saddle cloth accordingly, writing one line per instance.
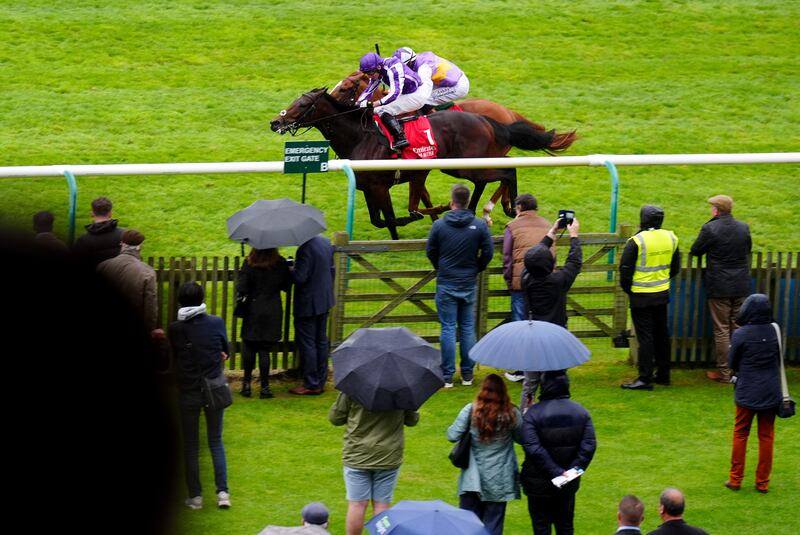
(419, 134)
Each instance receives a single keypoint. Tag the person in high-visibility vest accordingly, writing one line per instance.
(649, 260)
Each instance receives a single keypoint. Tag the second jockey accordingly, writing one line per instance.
(407, 92)
(448, 81)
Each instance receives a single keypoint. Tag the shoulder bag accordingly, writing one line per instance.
(459, 455)
(217, 392)
(787, 407)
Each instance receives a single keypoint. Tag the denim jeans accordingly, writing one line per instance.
(517, 306)
(456, 308)
(190, 407)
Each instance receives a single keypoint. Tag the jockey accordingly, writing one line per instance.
(449, 82)
(407, 92)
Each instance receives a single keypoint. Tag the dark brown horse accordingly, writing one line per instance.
(352, 134)
(348, 90)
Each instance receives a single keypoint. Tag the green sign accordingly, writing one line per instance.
(305, 156)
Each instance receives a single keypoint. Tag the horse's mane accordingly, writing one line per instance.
(338, 106)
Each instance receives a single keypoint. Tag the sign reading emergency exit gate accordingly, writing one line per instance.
(305, 156)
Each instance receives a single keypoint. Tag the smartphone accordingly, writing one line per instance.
(565, 218)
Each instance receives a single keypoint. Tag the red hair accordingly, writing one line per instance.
(492, 412)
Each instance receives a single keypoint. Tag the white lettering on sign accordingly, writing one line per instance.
(306, 150)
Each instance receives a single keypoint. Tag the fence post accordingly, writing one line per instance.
(336, 326)
(481, 304)
(620, 317)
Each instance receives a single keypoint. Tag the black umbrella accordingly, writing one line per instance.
(268, 224)
(387, 369)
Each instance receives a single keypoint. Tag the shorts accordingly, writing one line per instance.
(375, 485)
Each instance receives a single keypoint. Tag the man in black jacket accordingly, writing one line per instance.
(670, 509)
(726, 244)
(557, 435)
(103, 236)
(630, 515)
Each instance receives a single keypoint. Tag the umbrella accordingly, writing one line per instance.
(387, 369)
(434, 517)
(533, 346)
(267, 224)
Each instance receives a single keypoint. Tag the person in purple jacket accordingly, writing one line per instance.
(449, 83)
(407, 92)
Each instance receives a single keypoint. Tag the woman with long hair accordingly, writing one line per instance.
(264, 274)
(492, 478)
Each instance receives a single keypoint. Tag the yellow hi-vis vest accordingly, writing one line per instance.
(656, 248)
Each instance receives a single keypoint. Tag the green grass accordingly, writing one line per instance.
(283, 453)
(111, 82)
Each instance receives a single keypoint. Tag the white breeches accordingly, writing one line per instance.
(408, 102)
(443, 95)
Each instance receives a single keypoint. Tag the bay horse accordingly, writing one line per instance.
(459, 135)
(349, 89)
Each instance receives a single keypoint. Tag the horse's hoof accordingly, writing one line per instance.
(488, 219)
(415, 216)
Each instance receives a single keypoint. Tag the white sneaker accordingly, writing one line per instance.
(223, 499)
(466, 382)
(448, 385)
(194, 503)
(514, 377)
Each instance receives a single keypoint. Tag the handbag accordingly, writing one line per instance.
(216, 392)
(786, 409)
(242, 305)
(459, 455)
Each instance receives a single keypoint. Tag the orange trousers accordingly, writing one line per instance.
(766, 439)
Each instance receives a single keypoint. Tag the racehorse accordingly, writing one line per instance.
(459, 135)
(348, 90)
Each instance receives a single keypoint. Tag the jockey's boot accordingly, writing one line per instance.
(396, 129)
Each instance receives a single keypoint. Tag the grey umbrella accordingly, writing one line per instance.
(387, 369)
(275, 223)
(528, 345)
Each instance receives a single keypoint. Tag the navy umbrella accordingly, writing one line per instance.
(387, 369)
(275, 223)
(434, 517)
(529, 345)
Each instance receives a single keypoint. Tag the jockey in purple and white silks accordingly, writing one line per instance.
(407, 92)
(449, 82)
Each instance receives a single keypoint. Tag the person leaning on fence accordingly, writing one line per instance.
(102, 237)
(755, 360)
(630, 516)
(459, 247)
(670, 509)
(649, 260)
(492, 479)
(726, 244)
(45, 238)
(372, 455)
(264, 275)
(544, 290)
(135, 279)
(200, 345)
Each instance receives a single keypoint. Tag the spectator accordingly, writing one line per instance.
(45, 238)
(263, 276)
(200, 345)
(544, 290)
(649, 260)
(102, 237)
(459, 247)
(755, 359)
(726, 244)
(314, 522)
(521, 233)
(670, 508)
(135, 279)
(557, 435)
(372, 456)
(491, 479)
(313, 297)
(630, 516)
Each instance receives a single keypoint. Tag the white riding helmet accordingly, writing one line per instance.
(405, 54)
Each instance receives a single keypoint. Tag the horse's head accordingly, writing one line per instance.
(301, 113)
(348, 90)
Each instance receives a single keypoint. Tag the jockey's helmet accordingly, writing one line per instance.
(370, 62)
(405, 54)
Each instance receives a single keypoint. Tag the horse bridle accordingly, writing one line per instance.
(298, 123)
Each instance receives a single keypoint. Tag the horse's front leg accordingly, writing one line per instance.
(510, 193)
(476, 195)
(501, 191)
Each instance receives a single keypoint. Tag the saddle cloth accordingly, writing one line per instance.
(421, 143)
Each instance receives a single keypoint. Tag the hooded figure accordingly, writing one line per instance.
(545, 290)
(755, 360)
(557, 435)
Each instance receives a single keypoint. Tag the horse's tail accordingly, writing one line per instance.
(525, 135)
